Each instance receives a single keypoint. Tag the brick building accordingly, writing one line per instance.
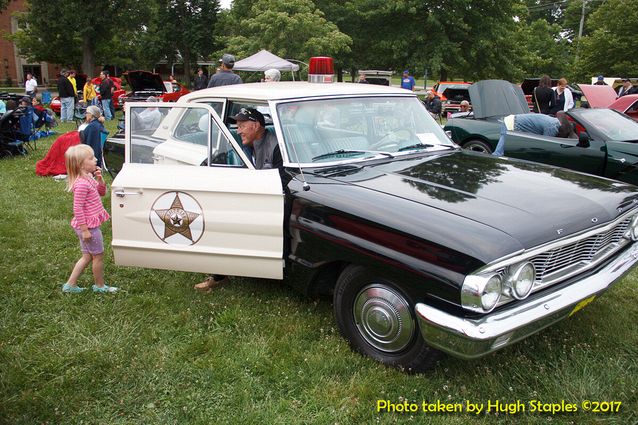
(13, 67)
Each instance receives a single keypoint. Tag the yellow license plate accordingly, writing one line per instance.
(582, 304)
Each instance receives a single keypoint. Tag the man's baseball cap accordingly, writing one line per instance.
(601, 78)
(250, 114)
(624, 80)
(406, 72)
(228, 60)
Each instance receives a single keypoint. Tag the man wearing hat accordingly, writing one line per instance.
(600, 81)
(225, 76)
(627, 88)
(407, 81)
(251, 127)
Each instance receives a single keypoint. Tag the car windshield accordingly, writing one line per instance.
(613, 125)
(329, 130)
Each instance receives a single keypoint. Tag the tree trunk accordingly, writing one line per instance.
(443, 74)
(88, 60)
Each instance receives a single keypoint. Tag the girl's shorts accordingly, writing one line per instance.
(93, 246)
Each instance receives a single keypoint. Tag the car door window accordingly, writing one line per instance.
(174, 134)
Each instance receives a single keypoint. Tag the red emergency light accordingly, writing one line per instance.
(321, 70)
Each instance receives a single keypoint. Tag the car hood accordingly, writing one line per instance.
(456, 94)
(598, 96)
(624, 103)
(533, 203)
(497, 98)
(144, 80)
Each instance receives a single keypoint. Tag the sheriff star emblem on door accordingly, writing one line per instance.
(177, 219)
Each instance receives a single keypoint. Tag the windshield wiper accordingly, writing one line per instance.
(341, 151)
(416, 146)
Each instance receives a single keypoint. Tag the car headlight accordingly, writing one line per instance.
(520, 280)
(491, 292)
(633, 228)
(481, 293)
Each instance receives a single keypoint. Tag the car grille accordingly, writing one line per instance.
(567, 260)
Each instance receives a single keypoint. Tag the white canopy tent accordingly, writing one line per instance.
(263, 61)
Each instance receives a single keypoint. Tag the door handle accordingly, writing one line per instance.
(122, 193)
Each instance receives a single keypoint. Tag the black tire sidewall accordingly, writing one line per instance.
(416, 356)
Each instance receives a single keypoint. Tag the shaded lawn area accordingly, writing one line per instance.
(252, 352)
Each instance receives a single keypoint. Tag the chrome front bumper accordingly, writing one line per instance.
(473, 338)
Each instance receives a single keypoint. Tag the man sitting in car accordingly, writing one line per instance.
(251, 127)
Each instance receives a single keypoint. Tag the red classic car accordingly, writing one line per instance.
(606, 97)
(80, 79)
(144, 84)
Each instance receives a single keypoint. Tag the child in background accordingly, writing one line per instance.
(86, 182)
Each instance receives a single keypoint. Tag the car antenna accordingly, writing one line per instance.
(305, 185)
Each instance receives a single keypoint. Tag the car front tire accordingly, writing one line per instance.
(378, 320)
(476, 145)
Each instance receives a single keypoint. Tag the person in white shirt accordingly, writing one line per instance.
(564, 97)
(30, 85)
(149, 118)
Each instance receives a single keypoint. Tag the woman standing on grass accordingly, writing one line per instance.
(86, 182)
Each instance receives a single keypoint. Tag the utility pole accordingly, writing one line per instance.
(580, 30)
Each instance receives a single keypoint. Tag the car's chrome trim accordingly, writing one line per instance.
(524, 255)
(473, 338)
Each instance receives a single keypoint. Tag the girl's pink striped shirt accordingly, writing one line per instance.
(87, 206)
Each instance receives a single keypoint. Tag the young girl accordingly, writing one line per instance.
(86, 182)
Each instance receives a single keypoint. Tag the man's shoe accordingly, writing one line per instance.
(210, 283)
(71, 289)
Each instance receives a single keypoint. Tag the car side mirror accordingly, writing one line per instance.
(583, 140)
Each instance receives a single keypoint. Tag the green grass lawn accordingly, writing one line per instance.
(252, 352)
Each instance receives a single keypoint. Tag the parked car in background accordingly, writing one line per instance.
(452, 93)
(56, 105)
(607, 145)
(424, 247)
(144, 84)
(374, 76)
(606, 97)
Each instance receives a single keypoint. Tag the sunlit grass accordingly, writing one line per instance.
(252, 352)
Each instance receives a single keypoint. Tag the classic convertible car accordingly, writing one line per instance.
(425, 247)
(607, 144)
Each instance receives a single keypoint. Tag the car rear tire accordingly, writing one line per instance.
(476, 145)
(378, 320)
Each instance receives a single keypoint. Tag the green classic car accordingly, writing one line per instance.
(607, 143)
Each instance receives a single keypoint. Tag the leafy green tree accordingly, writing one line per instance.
(287, 28)
(546, 51)
(74, 32)
(181, 29)
(609, 48)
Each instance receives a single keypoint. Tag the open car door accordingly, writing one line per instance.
(188, 198)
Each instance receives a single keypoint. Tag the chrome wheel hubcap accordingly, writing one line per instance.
(383, 318)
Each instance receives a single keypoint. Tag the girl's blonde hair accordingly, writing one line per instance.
(73, 159)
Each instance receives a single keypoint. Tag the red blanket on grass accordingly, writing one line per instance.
(53, 163)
